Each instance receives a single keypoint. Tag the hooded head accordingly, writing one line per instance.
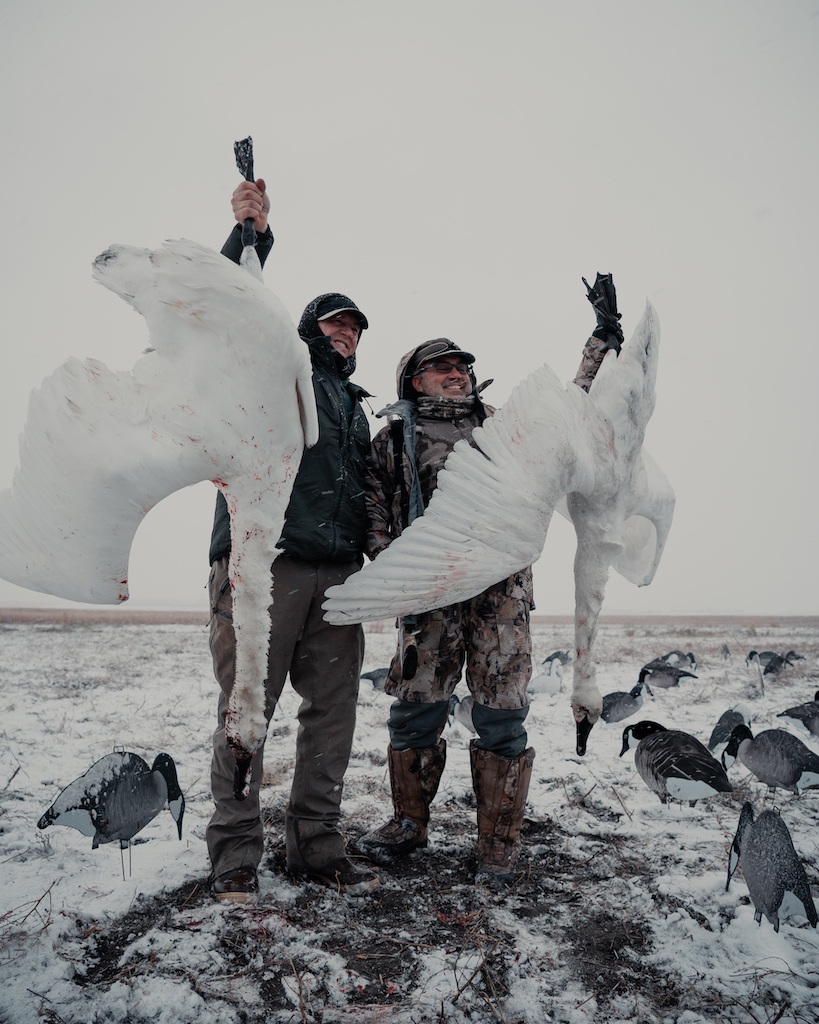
(422, 354)
(322, 308)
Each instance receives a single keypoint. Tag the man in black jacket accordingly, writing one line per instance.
(322, 544)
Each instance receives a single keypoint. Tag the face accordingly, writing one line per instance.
(454, 383)
(343, 330)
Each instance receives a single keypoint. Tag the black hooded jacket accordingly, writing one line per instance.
(326, 519)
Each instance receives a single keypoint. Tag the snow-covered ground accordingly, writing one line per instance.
(620, 913)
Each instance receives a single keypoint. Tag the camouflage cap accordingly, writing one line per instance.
(411, 363)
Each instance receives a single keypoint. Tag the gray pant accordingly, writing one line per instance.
(324, 663)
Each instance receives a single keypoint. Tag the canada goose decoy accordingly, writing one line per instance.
(377, 676)
(461, 711)
(771, 662)
(556, 660)
(117, 797)
(779, 760)
(679, 659)
(725, 653)
(664, 675)
(773, 872)
(622, 704)
(740, 714)
(805, 714)
(549, 448)
(674, 764)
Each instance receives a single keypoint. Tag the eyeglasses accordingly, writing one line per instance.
(446, 368)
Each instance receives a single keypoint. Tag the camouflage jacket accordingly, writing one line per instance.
(425, 433)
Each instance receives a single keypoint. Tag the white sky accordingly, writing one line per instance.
(456, 166)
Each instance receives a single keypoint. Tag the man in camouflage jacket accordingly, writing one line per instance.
(438, 406)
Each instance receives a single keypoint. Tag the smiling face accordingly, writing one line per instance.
(444, 377)
(343, 330)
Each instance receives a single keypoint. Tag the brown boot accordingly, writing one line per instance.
(501, 786)
(414, 777)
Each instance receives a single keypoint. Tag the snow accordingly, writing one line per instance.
(621, 912)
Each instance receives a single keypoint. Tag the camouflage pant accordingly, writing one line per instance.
(490, 633)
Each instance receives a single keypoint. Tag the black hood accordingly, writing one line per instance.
(309, 330)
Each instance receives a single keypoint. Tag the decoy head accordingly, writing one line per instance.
(632, 734)
(164, 764)
(738, 734)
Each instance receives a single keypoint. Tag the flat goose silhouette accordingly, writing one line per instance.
(773, 872)
(117, 797)
(674, 764)
(548, 447)
(224, 394)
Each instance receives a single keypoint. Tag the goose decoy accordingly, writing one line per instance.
(674, 764)
(663, 675)
(805, 714)
(549, 447)
(545, 683)
(678, 659)
(771, 662)
(377, 676)
(773, 872)
(461, 711)
(726, 654)
(778, 759)
(621, 704)
(740, 714)
(117, 797)
(556, 660)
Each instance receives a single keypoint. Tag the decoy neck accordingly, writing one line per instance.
(738, 734)
(164, 764)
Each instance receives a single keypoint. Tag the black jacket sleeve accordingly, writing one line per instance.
(233, 246)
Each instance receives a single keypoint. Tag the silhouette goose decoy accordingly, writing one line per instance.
(664, 675)
(773, 872)
(621, 704)
(547, 448)
(377, 676)
(117, 797)
(224, 394)
(775, 757)
(740, 714)
(674, 764)
(805, 714)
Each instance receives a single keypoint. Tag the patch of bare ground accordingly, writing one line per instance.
(426, 909)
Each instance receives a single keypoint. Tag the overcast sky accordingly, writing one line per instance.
(456, 166)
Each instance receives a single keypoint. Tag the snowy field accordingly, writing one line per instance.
(620, 912)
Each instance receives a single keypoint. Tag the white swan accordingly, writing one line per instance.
(226, 395)
(490, 513)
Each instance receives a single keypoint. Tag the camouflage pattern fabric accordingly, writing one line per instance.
(593, 353)
(490, 633)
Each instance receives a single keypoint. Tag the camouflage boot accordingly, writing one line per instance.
(414, 778)
(608, 334)
(501, 786)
